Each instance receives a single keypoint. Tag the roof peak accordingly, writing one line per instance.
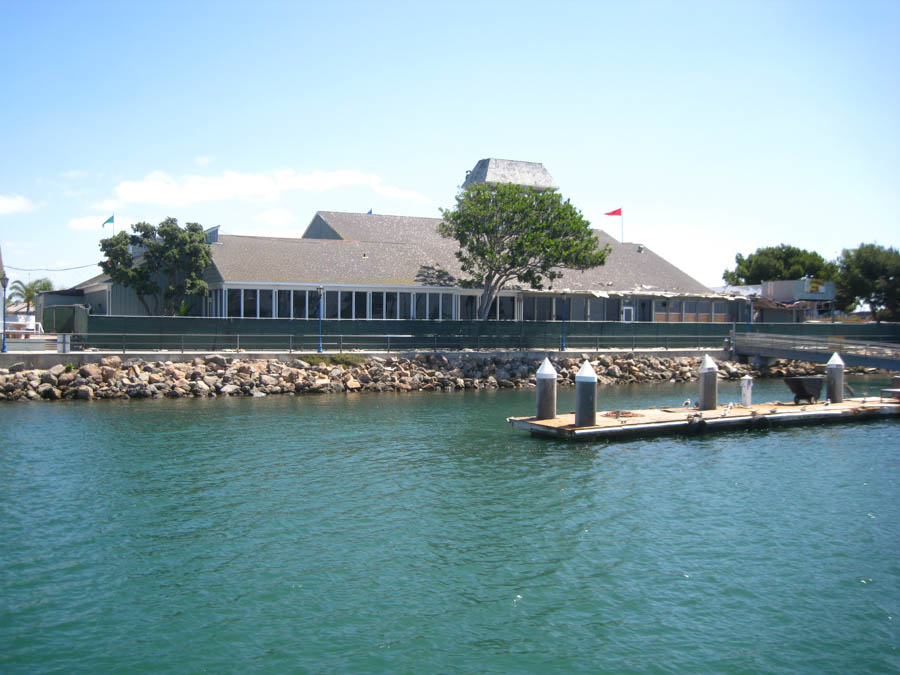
(512, 171)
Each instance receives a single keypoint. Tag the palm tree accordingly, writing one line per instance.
(20, 292)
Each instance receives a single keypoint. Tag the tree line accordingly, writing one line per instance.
(868, 274)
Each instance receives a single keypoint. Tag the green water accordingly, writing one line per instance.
(418, 533)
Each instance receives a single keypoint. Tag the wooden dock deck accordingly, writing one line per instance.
(622, 424)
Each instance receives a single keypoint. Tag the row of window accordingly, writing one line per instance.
(434, 306)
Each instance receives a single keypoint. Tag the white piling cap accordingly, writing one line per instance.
(586, 373)
(708, 365)
(746, 381)
(546, 371)
(835, 361)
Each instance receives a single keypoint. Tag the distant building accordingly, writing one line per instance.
(376, 267)
(790, 301)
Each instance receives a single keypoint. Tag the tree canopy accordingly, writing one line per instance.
(512, 232)
(775, 263)
(27, 292)
(160, 263)
(870, 274)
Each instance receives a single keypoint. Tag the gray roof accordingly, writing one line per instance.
(362, 249)
(530, 174)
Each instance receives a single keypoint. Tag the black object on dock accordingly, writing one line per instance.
(805, 388)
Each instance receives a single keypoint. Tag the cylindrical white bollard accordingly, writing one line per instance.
(709, 383)
(746, 391)
(834, 379)
(586, 396)
(546, 391)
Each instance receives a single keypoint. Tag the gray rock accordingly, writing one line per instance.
(17, 367)
(84, 393)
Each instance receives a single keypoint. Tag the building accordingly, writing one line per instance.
(376, 267)
(786, 301)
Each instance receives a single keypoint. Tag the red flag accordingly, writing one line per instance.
(617, 212)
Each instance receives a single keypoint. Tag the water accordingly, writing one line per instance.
(419, 533)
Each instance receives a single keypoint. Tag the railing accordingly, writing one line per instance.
(192, 342)
(789, 346)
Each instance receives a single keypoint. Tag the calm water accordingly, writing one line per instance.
(419, 533)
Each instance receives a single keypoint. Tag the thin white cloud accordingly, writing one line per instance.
(74, 174)
(15, 204)
(275, 218)
(163, 189)
(204, 160)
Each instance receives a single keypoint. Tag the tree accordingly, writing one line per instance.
(775, 263)
(508, 232)
(870, 274)
(22, 292)
(159, 263)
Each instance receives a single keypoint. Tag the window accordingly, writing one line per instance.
(377, 305)
(598, 309)
(405, 305)
(331, 304)
(299, 304)
(467, 307)
(704, 306)
(543, 308)
(346, 305)
(447, 306)
(359, 305)
(528, 309)
(284, 304)
(250, 303)
(421, 301)
(577, 308)
(265, 303)
(234, 302)
(690, 306)
(390, 305)
(718, 308)
(434, 306)
(507, 308)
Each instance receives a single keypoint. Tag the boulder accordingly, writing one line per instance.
(111, 361)
(84, 393)
(17, 367)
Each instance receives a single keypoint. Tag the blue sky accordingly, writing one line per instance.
(719, 127)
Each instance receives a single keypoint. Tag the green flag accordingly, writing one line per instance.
(111, 219)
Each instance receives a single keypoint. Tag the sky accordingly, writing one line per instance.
(718, 127)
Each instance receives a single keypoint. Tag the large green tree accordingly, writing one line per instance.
(512, 232)
(775, 263)
(870, 274)
(162, 264)
(27, 292)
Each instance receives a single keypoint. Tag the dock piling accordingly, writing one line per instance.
(834, 379)
(709, 383)
(746, 391)
(546, 391)
(586, 396)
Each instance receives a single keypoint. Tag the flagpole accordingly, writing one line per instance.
(622, 216)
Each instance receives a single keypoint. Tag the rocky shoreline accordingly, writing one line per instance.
(216, 375)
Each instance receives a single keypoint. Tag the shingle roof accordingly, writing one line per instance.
(531, 174)
(362, 249)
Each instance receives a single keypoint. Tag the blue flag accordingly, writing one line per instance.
(369, 213)
(111, 219)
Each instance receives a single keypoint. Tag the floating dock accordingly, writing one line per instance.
(624, 424)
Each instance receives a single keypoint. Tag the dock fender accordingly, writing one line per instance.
(759, 422)
(697, 425)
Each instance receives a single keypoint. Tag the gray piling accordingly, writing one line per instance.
(709, 383)
(746, 391)
(586, 396)
(546, 391)
(834, 379)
